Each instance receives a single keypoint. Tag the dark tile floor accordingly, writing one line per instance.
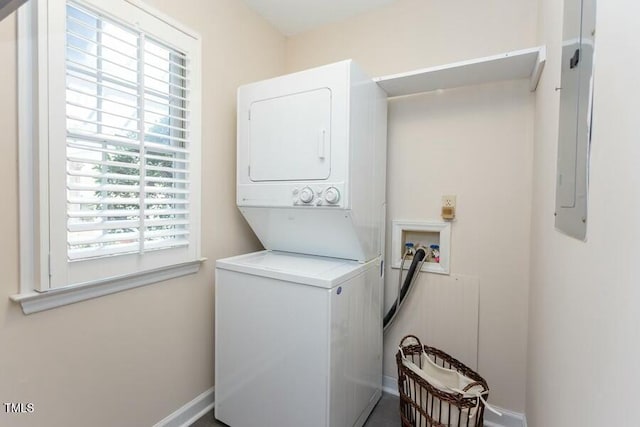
(385, 414)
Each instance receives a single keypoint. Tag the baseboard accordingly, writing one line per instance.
(196, 408)
(390, 385)
(190, 411)
(508, 418)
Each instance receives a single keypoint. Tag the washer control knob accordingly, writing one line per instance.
(332, 195)
(306, 195)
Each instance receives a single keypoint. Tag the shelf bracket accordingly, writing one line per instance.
(538, 68)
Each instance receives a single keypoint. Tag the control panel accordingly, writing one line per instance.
(316, 196)
(301, 194)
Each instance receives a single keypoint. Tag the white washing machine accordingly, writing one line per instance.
(298, 340)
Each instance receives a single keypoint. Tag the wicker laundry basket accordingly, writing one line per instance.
(424, 405)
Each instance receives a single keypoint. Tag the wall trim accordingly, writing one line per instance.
(390, 385)
(508, 418)
(190, 412)
(34, 302)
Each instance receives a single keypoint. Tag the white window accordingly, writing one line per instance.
(110, 146)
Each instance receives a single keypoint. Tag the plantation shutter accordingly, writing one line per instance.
(128, 139)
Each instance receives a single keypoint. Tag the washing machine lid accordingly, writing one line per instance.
(310, 270)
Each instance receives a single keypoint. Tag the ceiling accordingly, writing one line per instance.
(296, 16)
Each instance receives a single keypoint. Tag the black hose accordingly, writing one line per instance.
(419, 255)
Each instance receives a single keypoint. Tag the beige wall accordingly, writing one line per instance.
(474, 142)
(584, 339)
(412, 34)
(132, 358)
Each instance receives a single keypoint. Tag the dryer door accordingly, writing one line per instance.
(290, 137)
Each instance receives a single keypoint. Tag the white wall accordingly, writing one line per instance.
(132, 358)
(474, 142)
(584, 339)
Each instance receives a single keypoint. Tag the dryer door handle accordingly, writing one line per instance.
(321, 143)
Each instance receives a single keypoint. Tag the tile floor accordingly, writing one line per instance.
(385, 414)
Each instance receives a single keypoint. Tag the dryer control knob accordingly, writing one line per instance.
(306, 195)
(332, 195)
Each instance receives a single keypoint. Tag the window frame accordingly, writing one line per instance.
(42, 122)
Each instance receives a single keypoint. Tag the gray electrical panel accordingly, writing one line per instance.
(574, 135)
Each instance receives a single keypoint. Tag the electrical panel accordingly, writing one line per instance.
(574, 135)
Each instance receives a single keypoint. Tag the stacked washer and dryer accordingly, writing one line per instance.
(298, 326)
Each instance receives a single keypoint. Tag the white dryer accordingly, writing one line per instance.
(312, 161)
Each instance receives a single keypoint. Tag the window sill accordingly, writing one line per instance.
(34, 302)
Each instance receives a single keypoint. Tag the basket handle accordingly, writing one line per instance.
(402, 344)
(473, 384)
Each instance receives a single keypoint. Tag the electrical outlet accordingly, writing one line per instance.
(449, 207)
(449, 201)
